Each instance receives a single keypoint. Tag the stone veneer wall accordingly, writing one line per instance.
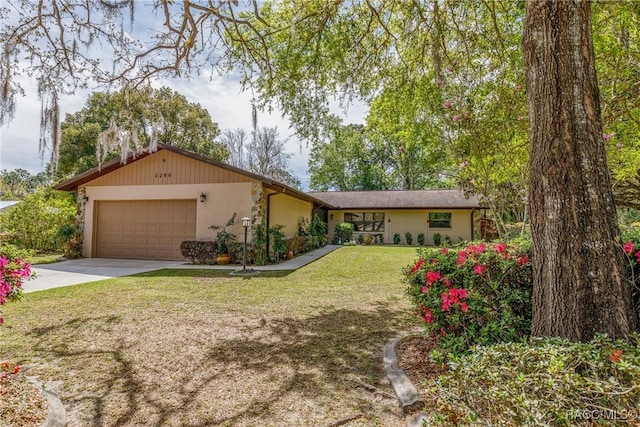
(81, 202)
(258, 200)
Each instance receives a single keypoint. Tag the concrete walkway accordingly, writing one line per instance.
(77, 271)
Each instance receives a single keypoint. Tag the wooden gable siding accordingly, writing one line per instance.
(165, 167)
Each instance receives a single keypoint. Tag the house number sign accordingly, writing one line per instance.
(163, 175)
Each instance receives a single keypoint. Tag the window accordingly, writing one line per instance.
(370, 222)
(440, 219)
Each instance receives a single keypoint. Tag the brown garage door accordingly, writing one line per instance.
(144, 229)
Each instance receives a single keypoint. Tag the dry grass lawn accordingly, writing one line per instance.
(201, 348)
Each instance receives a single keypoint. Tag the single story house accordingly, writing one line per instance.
(382, 214)
(144, 208)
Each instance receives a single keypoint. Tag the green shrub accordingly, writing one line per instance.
(70, 240)
(310, 236)
(343, 233)
(628, 216)
(10, 251)
(318, 229)
(447, 240)
(236, 252)
(303, 227)
(199, 252)
(360, 239)
(223, 237)
(437, 239)
(72, 248)
(421, 239)
(259, 243)
(396, 239)
(409, 238)
(278, 243)
(549, 382)
(314, 242)
(477, 295)
(631, 234)
(34, 222)
(298, 244)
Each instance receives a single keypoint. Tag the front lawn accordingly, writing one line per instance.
(197, 347)
(45, 258)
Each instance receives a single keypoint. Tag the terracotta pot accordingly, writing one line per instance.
(289, 254)
(223, 259)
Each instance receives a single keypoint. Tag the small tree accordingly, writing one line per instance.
(318, 229)
(278, 242)
(343, 233)
(259, 241)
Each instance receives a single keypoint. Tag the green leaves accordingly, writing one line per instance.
(125, 120)
(34, 223)
(546, 382)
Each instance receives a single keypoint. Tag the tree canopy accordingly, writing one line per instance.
(301, 55)
(18, 183)
(148, 115)
(441, 72)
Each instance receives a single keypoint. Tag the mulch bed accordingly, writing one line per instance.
(413, 359)
(21, 404)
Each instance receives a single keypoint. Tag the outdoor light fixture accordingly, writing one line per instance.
(246, 222)
(331, 217)
(203, 197)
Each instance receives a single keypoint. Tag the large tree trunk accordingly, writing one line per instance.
(580, 284)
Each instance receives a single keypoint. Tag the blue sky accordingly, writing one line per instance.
(220, 95)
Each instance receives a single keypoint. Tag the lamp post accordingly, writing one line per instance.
(246, 222)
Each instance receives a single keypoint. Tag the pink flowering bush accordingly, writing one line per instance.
(481, 294)
(631, 249)
(13, 271)
(476, 295)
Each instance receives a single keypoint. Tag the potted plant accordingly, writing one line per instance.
(223, 239)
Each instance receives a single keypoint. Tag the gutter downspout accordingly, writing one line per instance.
(473, 211)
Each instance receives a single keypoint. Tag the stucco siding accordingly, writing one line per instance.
(222, 200)
(411, 221)
(414, 221)
(460, 227)
(286, 210)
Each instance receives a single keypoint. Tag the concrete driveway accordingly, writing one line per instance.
(77, 271)
(74, 272)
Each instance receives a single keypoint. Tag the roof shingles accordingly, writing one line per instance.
(399, 199)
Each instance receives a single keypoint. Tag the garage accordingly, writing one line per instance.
(143, 229)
